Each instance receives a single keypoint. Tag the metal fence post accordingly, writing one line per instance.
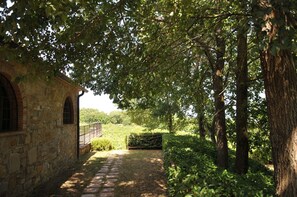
(84, 135)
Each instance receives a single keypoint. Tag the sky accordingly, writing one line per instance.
(102, 103)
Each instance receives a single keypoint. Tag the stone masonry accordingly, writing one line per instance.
(42, 146)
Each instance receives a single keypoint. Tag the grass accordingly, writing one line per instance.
(118, 133)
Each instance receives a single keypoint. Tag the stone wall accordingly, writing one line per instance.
(43, 146)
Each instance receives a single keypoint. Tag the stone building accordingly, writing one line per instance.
(38, 128)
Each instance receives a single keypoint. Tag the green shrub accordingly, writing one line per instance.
(191, 171)
(145, 140)
(101, 144)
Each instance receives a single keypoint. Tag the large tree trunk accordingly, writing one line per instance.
(242, 145)
(220, 121)
(280, 79)
(281, 91)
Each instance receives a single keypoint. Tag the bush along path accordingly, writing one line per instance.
(129, 173)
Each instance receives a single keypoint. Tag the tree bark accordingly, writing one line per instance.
(280, 80)
(242, 145)
(201, 126)
(220, 121)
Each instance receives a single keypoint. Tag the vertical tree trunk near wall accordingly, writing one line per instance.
(220, 120)
(242, 145)
(280, 80)
(281, 92)
(201, 126)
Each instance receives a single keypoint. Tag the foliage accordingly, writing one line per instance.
(147, 119)
(101, 144)
(145, 140)
(260, 146)
(119, 117)
(191, 171)
(89, 115)
(144, 117)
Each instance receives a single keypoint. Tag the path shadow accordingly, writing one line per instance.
(72, 181)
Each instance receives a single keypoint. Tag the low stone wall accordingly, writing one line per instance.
(84, 149)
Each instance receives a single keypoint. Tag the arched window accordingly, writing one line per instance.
(68, 111)
(8, 106)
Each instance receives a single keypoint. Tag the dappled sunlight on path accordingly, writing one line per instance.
(142, 174)
(104, 182)
(118, 173)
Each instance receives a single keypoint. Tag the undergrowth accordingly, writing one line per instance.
(191, 171)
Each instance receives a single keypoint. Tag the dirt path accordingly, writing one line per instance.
(142, 174)
(116, 173)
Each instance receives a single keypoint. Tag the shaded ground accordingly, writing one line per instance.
(141, 174)
(73, 181)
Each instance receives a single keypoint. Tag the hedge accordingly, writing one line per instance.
(144, 141)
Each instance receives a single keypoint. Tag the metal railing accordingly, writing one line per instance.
(88, 132)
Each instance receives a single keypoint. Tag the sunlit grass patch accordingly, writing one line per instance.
(117, 133)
